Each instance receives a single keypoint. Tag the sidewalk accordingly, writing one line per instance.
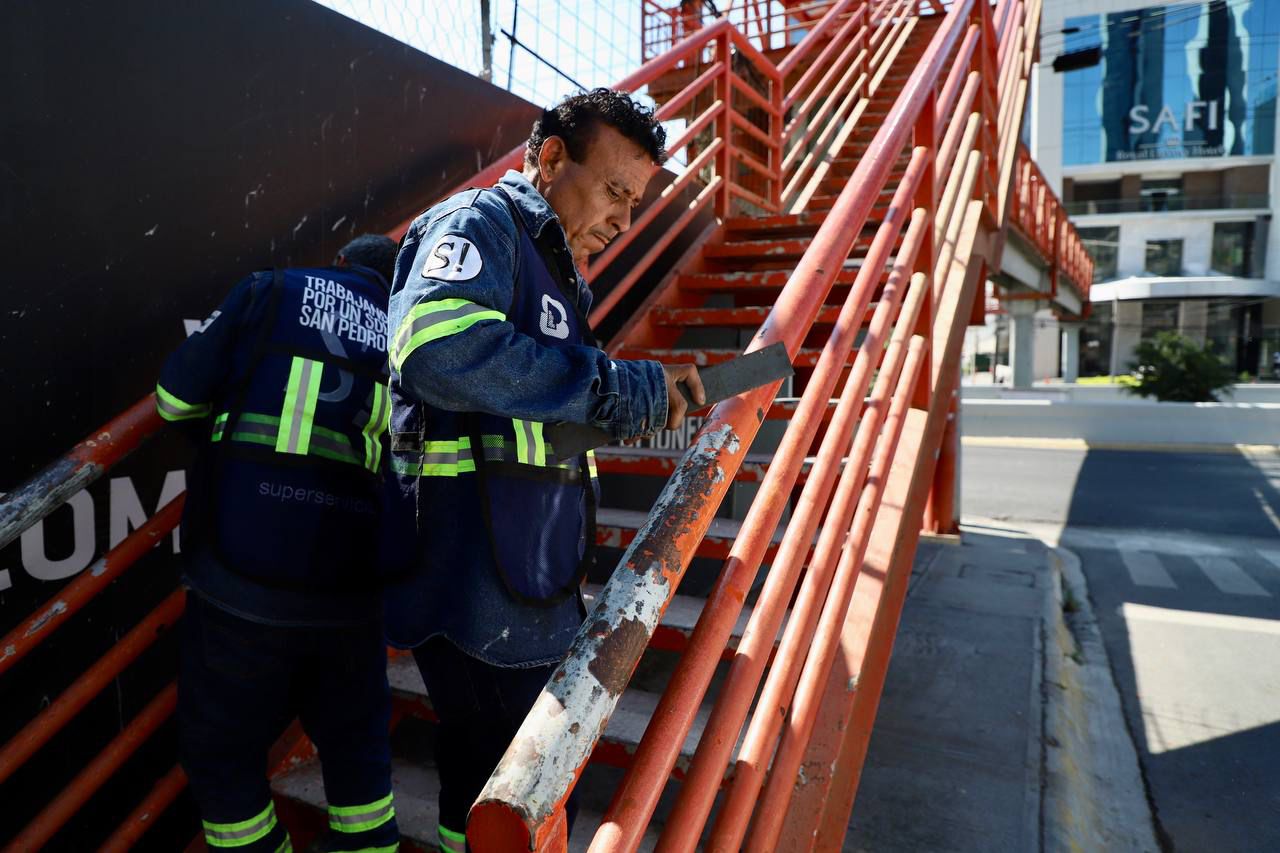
(1001, 727)
(955, 756)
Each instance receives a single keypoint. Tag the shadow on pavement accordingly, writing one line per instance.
(1195, 663)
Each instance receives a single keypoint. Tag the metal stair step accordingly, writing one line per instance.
(749, 316)
(804, 224)
(620, 739)
(655, 462)
(417, 788)
(616, 528)
(706, 357)
(769, 250)
(752, 280)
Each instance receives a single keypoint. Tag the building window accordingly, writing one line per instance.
(1103, 245)
(1233, 248)
(1096, 197)
(1164, 257)
(1159, 317)
(1161, 195)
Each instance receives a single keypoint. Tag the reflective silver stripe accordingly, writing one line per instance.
(249, 427)
(243, 833)
(303, 400)
(426, 321)
(376, 426)
(168, 408)
(322, 442)
(362, 821)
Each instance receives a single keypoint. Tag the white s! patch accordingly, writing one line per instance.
(554, 322)
(454, 258)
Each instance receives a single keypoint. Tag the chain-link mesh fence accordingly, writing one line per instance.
(540, 50)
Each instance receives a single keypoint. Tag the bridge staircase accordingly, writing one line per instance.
(846, 176)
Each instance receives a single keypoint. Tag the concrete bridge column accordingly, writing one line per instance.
(1022, 350)
(1070, 351)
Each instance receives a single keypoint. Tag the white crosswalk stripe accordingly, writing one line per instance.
(1145, 569)
(1272, 557)
(1227, 576)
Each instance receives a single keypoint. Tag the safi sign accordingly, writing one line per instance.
(1195, 80)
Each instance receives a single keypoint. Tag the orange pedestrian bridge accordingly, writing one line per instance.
(852, 177)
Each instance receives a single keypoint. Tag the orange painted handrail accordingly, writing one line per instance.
(77, 468)
(37, 627)
(1041, 218)
(62, 710)
(96, 773)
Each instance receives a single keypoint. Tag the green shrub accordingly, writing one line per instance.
(1172, 367)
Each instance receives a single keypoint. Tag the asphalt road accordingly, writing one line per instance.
(1182, 556)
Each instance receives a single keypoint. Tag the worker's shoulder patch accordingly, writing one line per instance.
(453, 258)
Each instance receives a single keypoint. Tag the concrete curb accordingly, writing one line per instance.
(1080, 444)
(1124, 422)
(1094, 797)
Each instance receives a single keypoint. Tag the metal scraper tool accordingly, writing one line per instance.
(719, 382)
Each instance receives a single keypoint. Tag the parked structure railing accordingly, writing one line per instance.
(1171, 203)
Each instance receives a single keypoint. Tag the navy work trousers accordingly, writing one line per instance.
(481, 706)
(241, 683)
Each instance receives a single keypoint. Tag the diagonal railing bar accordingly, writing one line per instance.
(77, 468)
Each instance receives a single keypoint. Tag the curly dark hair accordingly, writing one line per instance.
(374, 251)
(575, 119)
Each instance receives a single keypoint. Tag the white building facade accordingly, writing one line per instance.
(1161, 141)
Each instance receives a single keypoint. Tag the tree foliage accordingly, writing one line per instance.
(1172, 367)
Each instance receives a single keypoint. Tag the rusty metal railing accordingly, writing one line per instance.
(21, 509)
(958, 114)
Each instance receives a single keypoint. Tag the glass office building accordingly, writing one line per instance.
(1162, 141)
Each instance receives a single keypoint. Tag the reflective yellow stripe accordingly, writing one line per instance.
(531, 447)
(171, 408)
(299, 406)
(429, 321)
(539, 444)
(453, 842)
(242, 833)
(361, 818)
(379, 420)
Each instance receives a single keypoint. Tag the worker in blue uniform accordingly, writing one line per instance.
(490, 342)
(287, 384)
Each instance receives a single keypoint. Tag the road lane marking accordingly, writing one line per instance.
(1272, 557)
(1146, 569)
(1229, 577)
(1266, 509)
(1147, 613)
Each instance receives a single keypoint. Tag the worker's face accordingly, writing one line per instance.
(593, 198)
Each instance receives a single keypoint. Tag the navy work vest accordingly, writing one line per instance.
(290, 493)
(538, 516)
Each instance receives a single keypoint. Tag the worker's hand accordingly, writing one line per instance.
(676, 403)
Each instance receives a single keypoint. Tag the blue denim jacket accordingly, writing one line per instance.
(455, 350)
(491, 367)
